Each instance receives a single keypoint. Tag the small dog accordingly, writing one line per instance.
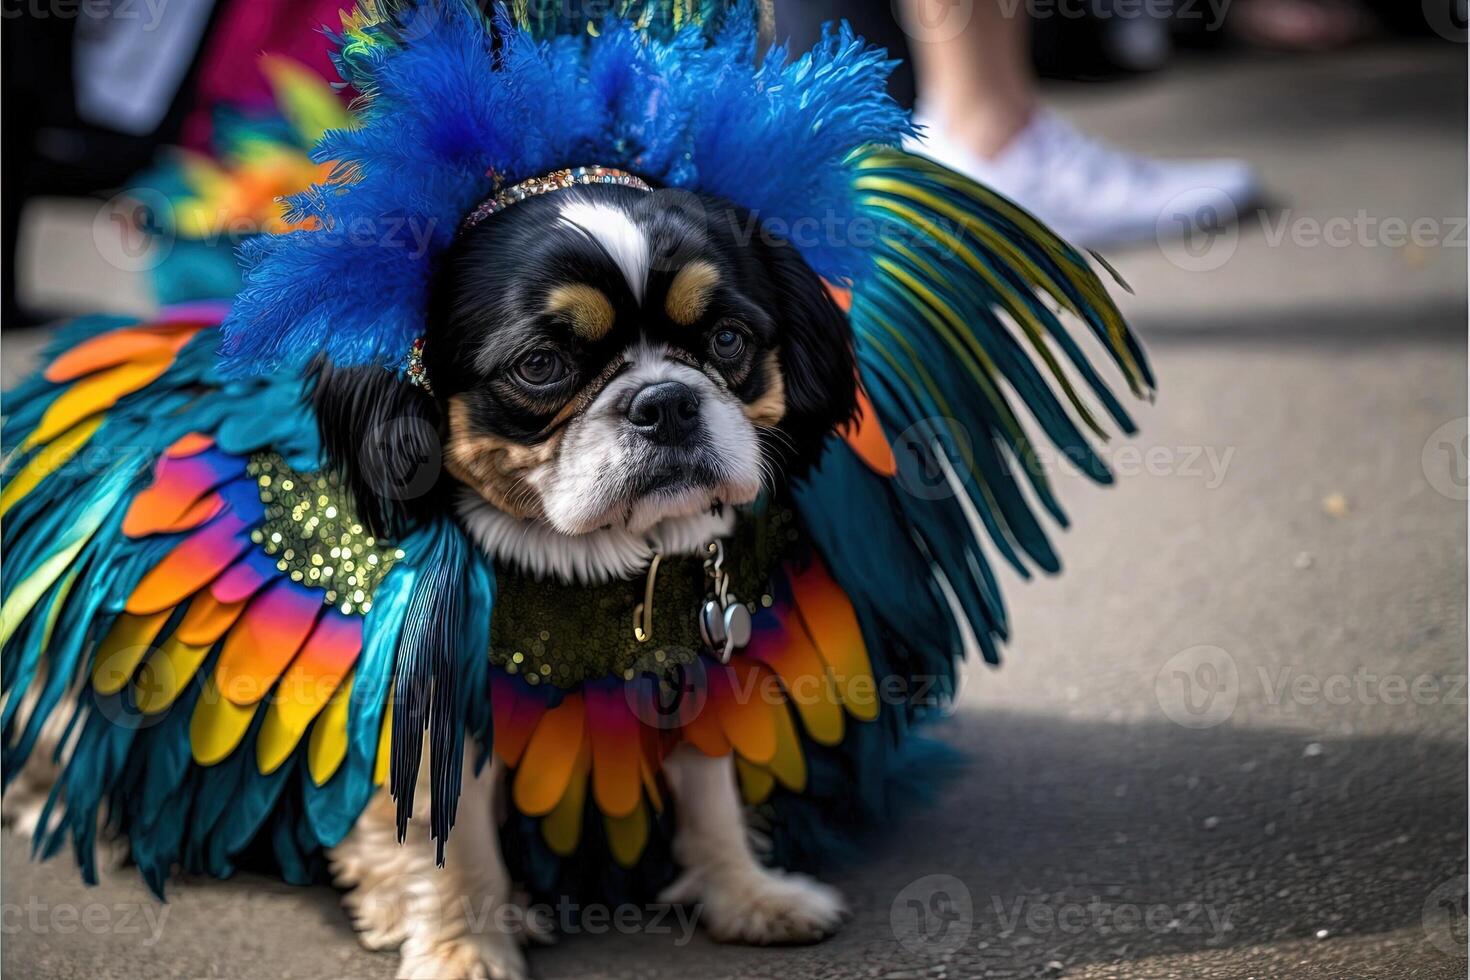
(620, 370)
(617, 386)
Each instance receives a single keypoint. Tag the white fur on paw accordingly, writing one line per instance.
(25, 802)
(762, 907)
(377, 934)
(483, 956)
(377, 916)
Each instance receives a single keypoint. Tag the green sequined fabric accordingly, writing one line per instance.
(547, 632)
(554, 633)
(312, 532)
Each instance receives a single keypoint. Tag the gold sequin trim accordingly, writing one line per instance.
(314, 535)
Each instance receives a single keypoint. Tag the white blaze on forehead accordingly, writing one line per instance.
(614, 230)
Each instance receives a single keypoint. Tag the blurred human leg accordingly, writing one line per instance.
(978, 103)
(972, 63)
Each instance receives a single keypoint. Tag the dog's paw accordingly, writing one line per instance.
(21, 812)
(376, 930)
(378, 916)
(475, 956)
(761, 907)
(24, 803)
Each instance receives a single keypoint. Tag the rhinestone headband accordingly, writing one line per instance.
(556, 180)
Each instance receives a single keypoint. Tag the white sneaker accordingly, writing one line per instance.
(1092, 194)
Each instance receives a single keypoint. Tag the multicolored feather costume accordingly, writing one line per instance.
(242, 663)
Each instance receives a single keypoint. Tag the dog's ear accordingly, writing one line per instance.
(817, 359)
(382, 435)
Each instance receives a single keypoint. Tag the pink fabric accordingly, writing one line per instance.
(243, 31)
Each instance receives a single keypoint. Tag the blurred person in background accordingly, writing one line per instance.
(978, 102)
(974, 90)
(92, 91)
(1322, 25)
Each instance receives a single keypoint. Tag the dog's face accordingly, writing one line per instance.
(605, 356)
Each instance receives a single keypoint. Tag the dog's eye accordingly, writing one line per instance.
(541, 367)
(728, 344)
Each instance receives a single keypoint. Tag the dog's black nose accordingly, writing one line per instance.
(666, 412)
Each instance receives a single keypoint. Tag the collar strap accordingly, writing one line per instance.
(554, 181)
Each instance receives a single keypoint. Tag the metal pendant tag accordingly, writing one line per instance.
(737, 627)
(712, 624)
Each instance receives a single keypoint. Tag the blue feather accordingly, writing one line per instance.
(449, 107)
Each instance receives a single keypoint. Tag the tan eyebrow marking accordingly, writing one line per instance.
(587, 307)
(689, 293)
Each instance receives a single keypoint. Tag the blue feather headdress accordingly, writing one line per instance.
(957, 298)
(454, 101)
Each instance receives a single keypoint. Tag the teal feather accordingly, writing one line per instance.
(331, 809)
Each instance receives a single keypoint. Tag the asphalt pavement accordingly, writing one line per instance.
(1230, 740)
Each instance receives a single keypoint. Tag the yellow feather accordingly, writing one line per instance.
(385, 742)
(30, 589)
(755, 782)
(48, 461)
(166, 673)
(95, 393)
(788, 765)
(562, 827)
(218, 725)
(627, 836)
(126, 644)
(306, 101)
(327, 746)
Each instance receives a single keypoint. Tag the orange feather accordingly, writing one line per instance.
(702, 730)
(562, 827)
(191, 565)
(189, 444)
(786, 648)
(270, 631)
(616, 749)
(740, 693)
(515, 715)
(177, 486)
(206, 619)
(551, 755)
(865, 435)
(94, 394)
(318, 669)
(130, 344)
(833, 627)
